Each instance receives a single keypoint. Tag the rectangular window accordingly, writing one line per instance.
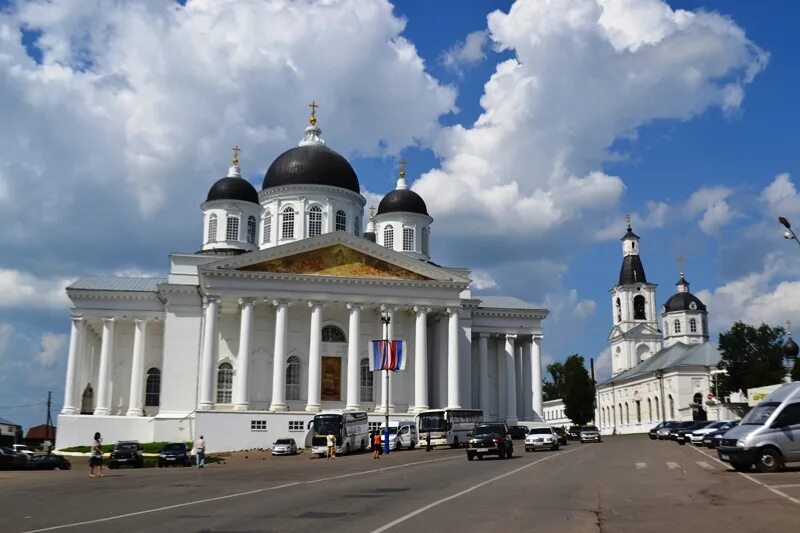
(374, 426)
(408, 239)
(258, 425)
(296, 425)
(267, 228)
(232, 231)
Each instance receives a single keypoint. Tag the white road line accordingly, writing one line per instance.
(640, 466)
(703, 464)
(421, 510)
(672, 466)
(754, 480)
(789, 486)
(239, 494)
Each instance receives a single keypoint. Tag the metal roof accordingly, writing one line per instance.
(676, 356)
(117, 283)
(505, 302)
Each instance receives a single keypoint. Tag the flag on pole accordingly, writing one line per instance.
(387, 355)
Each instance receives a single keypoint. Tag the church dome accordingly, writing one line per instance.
(312, 164)
(230, 188)
(402, 200)
(632, 271)
(683, 300)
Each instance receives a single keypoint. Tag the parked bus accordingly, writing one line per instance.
(447, 426)
(350, 428)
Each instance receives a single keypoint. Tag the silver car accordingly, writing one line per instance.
(541, 438)
(284, 447)
(590, 434)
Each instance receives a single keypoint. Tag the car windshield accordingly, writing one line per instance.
(175, 447)
(125, 447)
(392, 430)
(539, 431)
(574, 428)
(283, 441)
(487, 429)
(432, 422)
(759, 414)
(589, 428)
(324, 425)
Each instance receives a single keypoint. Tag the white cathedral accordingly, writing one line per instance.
(655, 374)
(269, 322)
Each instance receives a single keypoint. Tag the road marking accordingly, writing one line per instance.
(640, 466)
(703, 464)
(247, 493)
(421, 510)
(751, 478)
(672, 466)
(790, 486)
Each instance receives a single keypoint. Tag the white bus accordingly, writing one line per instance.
(447, 426)
(350, 428)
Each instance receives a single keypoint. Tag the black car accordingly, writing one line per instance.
(684, 434)
(574, 433)
(714, 440)
(126, 453)
(673, 432)
(561, 433)
(518, 432)
(174, 454)
(490, 438)
(653, 432)
(50, 462)
(12, 460)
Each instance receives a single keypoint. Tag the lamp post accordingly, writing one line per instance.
(789, 234)
(790, 351)
(385, 319)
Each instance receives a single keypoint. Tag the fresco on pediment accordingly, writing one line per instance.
(335, 260)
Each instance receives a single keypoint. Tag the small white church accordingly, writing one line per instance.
(655, 374)
(269, 321)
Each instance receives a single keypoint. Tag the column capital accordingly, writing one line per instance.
(246, 301)
(209, 299)
(537, 337)
(313, 303)
(421, 309)
(278, 303)
(452, 310)
(511, 336)
(77, 318)
(484, 335)
(109, 320)
(141, 321)
(352, 306)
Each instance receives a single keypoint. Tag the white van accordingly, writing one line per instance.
(402, 434)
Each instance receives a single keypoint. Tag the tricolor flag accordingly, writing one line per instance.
(387, 355)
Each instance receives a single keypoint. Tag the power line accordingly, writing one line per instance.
(39, 404)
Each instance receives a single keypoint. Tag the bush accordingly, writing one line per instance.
(147, 447)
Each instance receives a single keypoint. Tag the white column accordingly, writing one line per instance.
(483, 372)
(527, 404)
(136, 397)
(536, 374)
(315, 359)
(241, 401)
(501, 377)
(519, 382)
(353, 345)
(421, 360)
(279, 357)
(71, 402)
(103, 406)
(511, 384)
(210, 351)
(453, 363)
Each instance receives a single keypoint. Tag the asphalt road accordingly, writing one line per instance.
(623, 484)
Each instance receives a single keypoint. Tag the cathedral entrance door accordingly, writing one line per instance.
(331, 389)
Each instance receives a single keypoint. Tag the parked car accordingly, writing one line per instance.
(654, 430)
(176, 454)
(126, 453)
(768, 436)
(542, 438)
(518, 432)
(23, 448)
(684, 434)
(697, 435)
(561, 433)
(284, 447)
(490, 438)
(714, 440)
(673, 431)
(11, 460)
(574, 433)
(590, 434)
(50, 462)
(402, 434)
(662, 433)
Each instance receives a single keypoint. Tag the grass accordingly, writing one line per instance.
(147, 447)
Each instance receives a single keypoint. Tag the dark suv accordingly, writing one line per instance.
(174, 453)
(574, 433)
(126, 453)
(490, 438)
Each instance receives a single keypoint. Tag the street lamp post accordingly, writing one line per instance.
(790, 351)
(385, 319)
(789, 234)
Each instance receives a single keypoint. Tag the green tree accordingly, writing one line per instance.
(553, 388)
(752, 356)
(578, 391)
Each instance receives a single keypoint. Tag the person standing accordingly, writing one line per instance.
(96, 458)
(200, 451)
(331, 440)
(376, 445)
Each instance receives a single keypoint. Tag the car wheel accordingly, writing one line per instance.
(480, 457)
(741, 467)
(412, 445)
(769, 460)
(56, 468)
(682, 442)
(455, 442)
(509, 453)
(398, 446)
(160, 465)
(347, 448)
(470, 456)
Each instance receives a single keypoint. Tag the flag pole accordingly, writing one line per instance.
(385, 318)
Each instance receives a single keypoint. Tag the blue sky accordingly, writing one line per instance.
(120, 117)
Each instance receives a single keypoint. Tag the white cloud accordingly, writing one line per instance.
(467, 52)
(52, 349)
(781, 196)
(482, 280)
(602, 366)
(6, 330)
(23, 290)
(584, 309)
(712, 203)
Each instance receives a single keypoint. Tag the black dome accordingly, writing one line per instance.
(233, 189)
(314, 164)
(681, 301)
(632, 271)
(404, 200)
(790, 348)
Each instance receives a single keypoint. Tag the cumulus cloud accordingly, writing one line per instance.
(584, 309)
(466, 52)
(602, 365)
(482, 280)
(52, 349)
(712, 203)
(23, 290)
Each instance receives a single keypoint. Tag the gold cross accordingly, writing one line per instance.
(313, 119)
(371, 212)
(236, 151)
(402, 168)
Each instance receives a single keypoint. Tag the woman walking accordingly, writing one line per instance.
(96, 459)
(376, 445)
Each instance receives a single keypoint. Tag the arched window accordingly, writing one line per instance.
(224, 383)
(638, 411)
(388, 237)
(365, 381)
(619, 310)
(627, 414)
(251, 230)
(425, 241)
(408, 239)
(287, 224)
(333, 334)
(232, 229)
(638, 308)
(314, 221)
(357, 226)
(649, 410)
(212, 228)
(676, 326)
(692, 325)
(293, 378)
(341, 220)
(655, 401)
(87, 400)
(671, 407)
(698, 398)
(267, 237)
(614, 415)
(152, 389)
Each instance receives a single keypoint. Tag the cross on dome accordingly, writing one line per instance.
(236, 151)
(313, 118)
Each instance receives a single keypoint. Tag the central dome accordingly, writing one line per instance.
(402, 200)
(313, 164)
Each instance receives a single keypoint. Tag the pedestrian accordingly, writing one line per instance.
(376, 445)
(331, 439)
(96, 457)
(200, 452)
(428, 446)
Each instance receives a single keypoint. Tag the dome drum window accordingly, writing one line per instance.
(388, 237)
(251, 230)
(314, 221)
(692, 325)
(676, 326)
(267, 237)
(341, 220)
(408, 239)
(287, 224)
(212, 228)
(232, 228)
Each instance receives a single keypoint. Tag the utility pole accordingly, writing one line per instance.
(49, 421)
